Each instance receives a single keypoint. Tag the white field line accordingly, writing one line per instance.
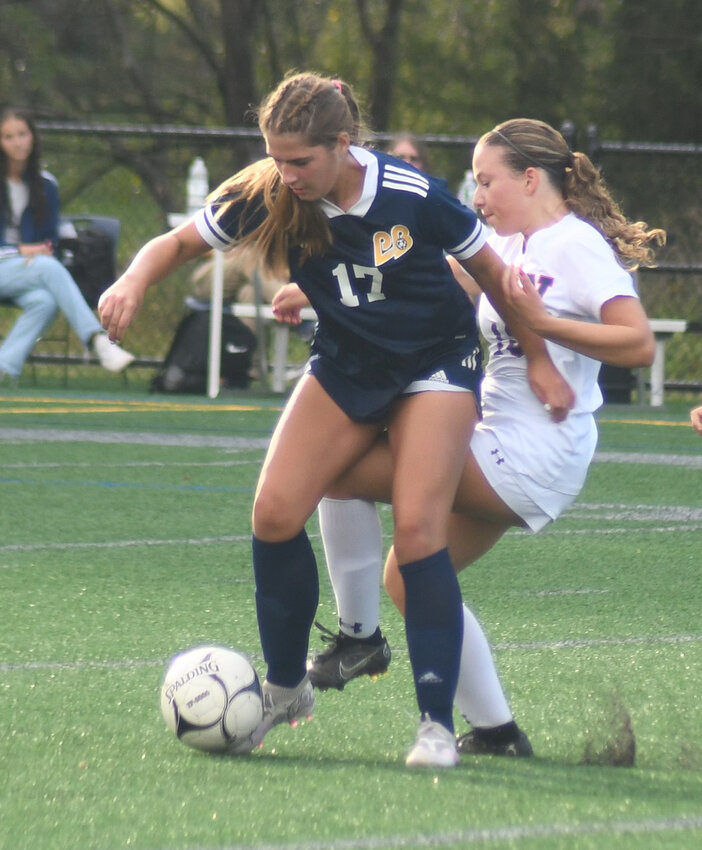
(136, 464)
(141, 438)
(461, 838)
(681, 519)
(507, 646)
(243, 538)
(123, 544)
(689, 461)
(48, 435)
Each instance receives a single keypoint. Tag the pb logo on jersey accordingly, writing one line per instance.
(390, 246)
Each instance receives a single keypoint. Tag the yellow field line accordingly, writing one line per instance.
(645, 422)
(67, 405)
(51, 405)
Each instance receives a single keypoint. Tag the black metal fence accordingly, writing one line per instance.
(139, 175)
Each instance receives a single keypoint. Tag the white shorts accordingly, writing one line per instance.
(536, 504)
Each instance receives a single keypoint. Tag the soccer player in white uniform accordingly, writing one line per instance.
(567, 244)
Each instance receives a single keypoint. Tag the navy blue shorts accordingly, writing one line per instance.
(365, 387)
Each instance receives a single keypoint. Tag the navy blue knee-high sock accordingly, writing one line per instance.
(287, 593)
(434, 628)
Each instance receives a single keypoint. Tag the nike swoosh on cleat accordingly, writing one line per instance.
(348, 672)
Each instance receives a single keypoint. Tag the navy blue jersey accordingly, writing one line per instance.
(384, 294)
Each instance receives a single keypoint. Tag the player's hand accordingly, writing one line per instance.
(521, 295)
(550, 387)
(287, 303)
(696, 419)
(118, 305)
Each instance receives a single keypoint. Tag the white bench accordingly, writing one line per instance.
(662, 329)
(281, 331)
(264, 312)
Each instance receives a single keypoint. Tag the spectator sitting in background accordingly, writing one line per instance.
(31, 277)
(411, 149)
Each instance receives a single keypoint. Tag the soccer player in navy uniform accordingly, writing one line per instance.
(396, 346)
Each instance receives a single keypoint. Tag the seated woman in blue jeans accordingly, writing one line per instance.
(30, 275)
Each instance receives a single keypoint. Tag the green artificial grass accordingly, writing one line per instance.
(115, 555)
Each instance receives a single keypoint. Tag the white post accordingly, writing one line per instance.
(214, 363)
(658, 372)
(197, 188)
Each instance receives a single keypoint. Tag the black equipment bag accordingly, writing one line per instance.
(90, 258)
(185, 367)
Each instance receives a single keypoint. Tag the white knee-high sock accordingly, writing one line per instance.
(353, 546)
(479, 695)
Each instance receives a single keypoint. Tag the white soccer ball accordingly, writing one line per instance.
(211, 699)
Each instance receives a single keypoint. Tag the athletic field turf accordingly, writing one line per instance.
(126, 538)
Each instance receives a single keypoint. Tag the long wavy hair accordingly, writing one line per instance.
(528, 142)
(37, 197)
(318, 109)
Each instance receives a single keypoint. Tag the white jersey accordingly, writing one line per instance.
(576, 272)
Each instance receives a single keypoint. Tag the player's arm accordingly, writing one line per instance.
(696, 419)
(545, 381)
(287, 303)
(156, 260)
(467, 282)
(624, 337)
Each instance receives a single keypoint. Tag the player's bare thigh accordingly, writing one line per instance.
(428, 435)
(372, 475)
(313, 443)
(475, 496)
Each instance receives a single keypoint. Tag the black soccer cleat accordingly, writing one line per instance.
(480, 742)
(347, 658)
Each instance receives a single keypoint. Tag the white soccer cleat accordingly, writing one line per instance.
(435, 746)
(281, 705)
(111, 356)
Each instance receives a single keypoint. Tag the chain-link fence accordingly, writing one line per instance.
(663, 186)
(138, 174)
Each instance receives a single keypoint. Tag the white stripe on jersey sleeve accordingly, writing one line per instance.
(472, 244)
(404, 180)
(210, 231)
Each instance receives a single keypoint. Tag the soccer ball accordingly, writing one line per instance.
(211, 699)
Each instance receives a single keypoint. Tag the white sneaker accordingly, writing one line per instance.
(280, 705)
(435, 746)
(111, 356)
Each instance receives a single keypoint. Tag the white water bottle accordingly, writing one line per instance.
(197, 186)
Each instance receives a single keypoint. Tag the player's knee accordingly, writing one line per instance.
(274, 518)
(415, 538)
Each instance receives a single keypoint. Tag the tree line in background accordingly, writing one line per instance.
(447, 66)
(452, 68)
